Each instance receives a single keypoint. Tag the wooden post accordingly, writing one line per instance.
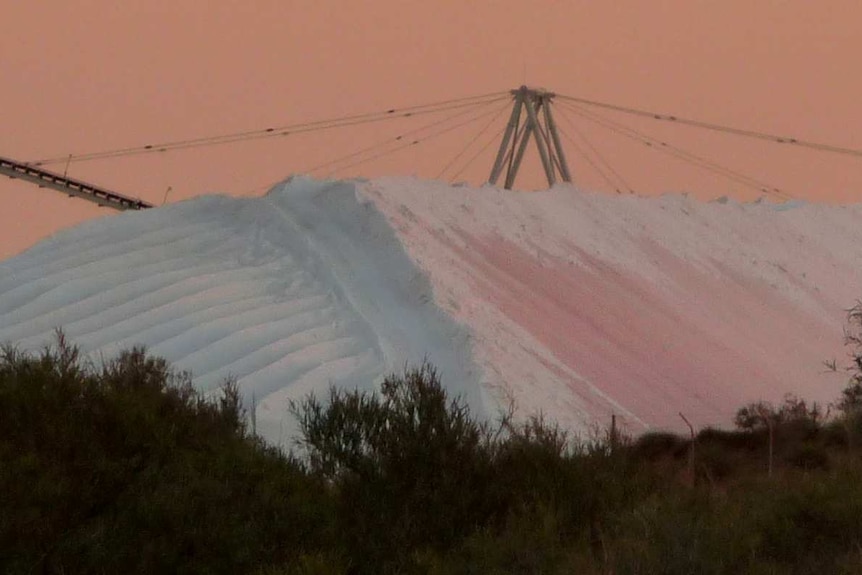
(253, 414)
(767, 418)
(771, 443)
(691, 470)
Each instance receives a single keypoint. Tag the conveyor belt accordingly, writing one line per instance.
(76, 188)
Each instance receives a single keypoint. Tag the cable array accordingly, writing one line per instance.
(678, 152)
(472, 141)
(495, 137)
(718, 127)
(439, 132)
(598, 155)
(280, 131)
(455, 113)
(409, 138)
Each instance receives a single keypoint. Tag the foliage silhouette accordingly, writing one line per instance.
(124, 467)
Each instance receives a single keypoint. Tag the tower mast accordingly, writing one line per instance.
(538, 124)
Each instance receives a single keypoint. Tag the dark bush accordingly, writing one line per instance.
(411, 467)
(808, 456)
(736, 440)
(654, 445)
(126, 469)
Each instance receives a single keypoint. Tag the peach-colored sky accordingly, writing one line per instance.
(90, 75)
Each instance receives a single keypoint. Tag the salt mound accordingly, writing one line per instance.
(576, 304)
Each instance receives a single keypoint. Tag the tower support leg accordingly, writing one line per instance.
(539, 124)
(511, 129)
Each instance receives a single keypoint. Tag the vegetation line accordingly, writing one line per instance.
(125, 468)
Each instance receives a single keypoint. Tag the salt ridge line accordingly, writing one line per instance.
(290, 293)
(579, 305)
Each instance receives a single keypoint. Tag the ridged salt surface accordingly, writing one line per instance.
(579, 305)
(291, 293)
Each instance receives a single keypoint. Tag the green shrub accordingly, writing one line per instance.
(411, 467)
(124, 468)
(808, 456)
(735, 440)
(654, 445)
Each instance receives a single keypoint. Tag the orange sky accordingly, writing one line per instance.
(90, 75)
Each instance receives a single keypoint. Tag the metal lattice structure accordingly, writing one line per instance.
(534, 106)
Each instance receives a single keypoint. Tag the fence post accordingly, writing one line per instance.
(767, 418)
(253, 414)
(691, 474)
